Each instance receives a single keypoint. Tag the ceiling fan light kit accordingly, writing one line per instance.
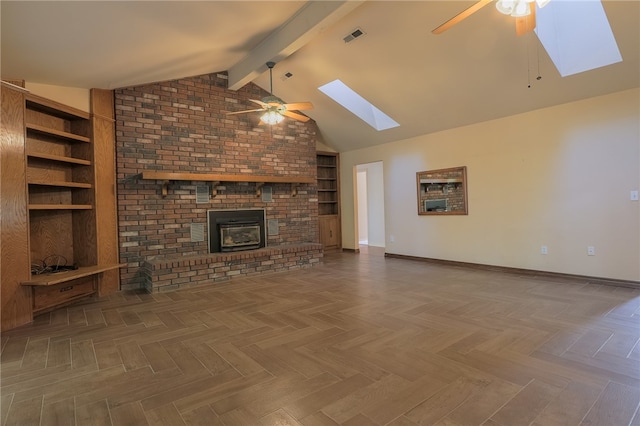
(271, 117)
(518, 8)
(515, 8)
(522, 10)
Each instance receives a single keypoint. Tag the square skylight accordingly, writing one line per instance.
(577, 36)
(345, 96)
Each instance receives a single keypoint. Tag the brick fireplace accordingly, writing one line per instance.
(180, 126)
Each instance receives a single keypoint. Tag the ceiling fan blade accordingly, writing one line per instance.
(245, 111)
(262, 104)
(295, 116)
(461, 16)
(527, 23)
(299, 106)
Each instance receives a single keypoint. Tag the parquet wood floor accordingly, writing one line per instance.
(360, 340)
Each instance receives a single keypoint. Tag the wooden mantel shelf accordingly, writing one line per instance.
(217, 179)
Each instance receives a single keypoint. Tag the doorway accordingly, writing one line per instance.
(370, 204)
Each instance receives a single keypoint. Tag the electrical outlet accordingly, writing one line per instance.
(544, 250)
(392, 239)
(633, 196)
(591, 251)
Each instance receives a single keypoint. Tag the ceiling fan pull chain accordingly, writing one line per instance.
(539, 77)
(528, 65)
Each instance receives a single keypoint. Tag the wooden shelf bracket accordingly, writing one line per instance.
(214, 188)
(259, 186)
(165, 188)
(294, 189)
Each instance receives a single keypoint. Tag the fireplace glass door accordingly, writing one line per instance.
(239, 236)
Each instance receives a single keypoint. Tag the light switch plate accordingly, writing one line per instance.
(633, 196)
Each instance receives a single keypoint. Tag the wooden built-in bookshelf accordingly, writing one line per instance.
(328, 199)
(63, 156)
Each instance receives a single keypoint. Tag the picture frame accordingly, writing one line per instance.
(442, 191)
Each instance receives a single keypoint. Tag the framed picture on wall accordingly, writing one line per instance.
(442, 192)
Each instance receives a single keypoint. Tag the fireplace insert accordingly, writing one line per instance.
(239, 236)
(234, 230)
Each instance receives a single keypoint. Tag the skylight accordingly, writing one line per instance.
(577, 36)
(345, 96)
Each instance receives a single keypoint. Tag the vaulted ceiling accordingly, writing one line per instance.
(479, 70)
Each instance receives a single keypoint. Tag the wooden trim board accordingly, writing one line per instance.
(519, 271)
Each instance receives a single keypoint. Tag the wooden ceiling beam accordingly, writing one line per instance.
(311, 19)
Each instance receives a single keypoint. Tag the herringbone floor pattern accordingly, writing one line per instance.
(360, 340)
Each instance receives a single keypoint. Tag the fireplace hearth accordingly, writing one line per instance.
(235, 230)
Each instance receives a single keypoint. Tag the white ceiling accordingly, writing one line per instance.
(477, 71)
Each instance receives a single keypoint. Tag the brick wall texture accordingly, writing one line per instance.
(166, 275)
(181, 126)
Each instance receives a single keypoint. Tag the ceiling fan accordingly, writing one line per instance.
(523, 10)
(274, 108)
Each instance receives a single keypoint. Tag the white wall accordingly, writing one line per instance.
(71, 96)
(558, 176)
(375, 203)
(363, 213)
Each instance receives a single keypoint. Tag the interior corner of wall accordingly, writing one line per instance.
(320, 146)
(76, 97)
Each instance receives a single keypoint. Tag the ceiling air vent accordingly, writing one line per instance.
(353, 35)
